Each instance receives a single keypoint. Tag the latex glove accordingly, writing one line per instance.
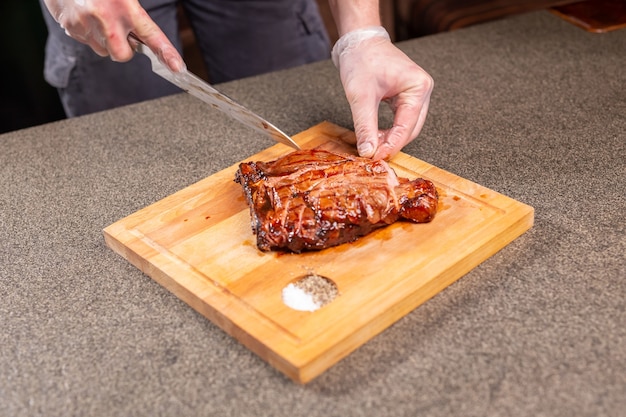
(104, 25)
(372, 70)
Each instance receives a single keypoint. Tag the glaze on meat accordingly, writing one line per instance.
(314, 199)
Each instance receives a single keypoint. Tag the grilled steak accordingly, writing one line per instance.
(314, 199)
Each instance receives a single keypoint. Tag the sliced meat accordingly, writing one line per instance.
(314, 199)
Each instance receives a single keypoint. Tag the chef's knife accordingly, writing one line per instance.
(202, 90)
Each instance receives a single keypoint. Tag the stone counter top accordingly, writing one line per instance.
(531, 107)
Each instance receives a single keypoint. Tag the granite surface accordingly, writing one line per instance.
(532, 107)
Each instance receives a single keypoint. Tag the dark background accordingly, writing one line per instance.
(25, 97)
(27, 100)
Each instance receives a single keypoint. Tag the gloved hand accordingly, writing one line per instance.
(104, 25)
(372, 70)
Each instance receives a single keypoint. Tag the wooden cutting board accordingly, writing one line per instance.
(198, 243)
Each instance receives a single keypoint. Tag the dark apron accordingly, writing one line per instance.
(238, 38)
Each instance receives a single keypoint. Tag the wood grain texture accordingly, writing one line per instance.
(596, 16)
(198, 243)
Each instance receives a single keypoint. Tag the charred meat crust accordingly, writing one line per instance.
(314, 199)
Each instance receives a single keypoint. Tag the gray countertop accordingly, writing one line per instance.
(532, 107)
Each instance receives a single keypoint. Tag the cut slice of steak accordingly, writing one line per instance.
(314, 199)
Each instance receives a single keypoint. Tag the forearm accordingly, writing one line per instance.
(350, 15)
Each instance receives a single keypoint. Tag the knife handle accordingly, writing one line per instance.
(134, 42)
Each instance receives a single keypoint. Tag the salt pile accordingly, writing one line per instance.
(309, 293)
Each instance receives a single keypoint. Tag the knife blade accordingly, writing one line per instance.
(198, 88)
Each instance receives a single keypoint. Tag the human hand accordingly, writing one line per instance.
(372, 70)
(104, 25)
